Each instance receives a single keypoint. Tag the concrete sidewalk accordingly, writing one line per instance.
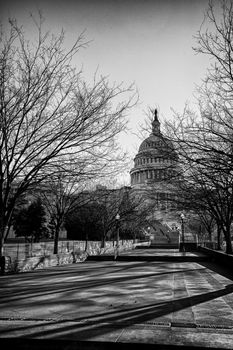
(161, 302)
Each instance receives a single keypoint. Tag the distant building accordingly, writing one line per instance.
(154, 173)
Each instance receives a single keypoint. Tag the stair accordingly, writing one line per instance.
(164, 237)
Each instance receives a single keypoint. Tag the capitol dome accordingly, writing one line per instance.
(156, 159)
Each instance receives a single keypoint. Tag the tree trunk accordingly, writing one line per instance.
(218, 238)
(2, 258)
(56, 239)
(209, 234)
(228, 242)
(86, 242)
(103, 241)
(134, 238)
(1, 244)
(4, 231)
(2, 240)
(103, 235)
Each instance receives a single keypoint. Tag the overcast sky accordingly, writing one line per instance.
(146, 42)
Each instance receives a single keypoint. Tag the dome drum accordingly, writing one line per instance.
(153, 161)
(140, 176)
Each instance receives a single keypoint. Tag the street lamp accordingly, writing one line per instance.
(118, 229)
(148, 233)
(182, 217)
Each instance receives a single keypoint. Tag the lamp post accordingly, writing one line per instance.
(182, 217)
(117, 240)
(148, 233)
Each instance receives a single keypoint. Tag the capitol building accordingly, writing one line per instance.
(155, 165)
(154, 172)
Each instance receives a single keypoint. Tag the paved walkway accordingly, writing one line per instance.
(161, 302)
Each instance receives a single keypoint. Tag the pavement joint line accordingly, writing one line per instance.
(27, 319)
(163, 324)
(119, 336)
(149, 323)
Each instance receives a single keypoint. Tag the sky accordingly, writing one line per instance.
(148, 43)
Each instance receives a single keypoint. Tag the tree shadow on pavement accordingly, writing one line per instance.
(41, 289)
(104, 323)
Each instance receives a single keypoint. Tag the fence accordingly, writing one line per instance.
(21, 257)
(18, 251)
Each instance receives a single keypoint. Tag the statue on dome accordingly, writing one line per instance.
(156, 123)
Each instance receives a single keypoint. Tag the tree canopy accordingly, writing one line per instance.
(50, 116)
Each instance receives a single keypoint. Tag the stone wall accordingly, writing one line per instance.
(218, 256)
(28, 257)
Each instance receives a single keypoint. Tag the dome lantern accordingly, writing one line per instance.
(156, 124)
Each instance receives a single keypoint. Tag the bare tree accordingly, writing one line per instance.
(48, 114)
(207, 179)
(204, 137)
(61, 195)
(207, 194)
(70, 187)
(116, 201)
